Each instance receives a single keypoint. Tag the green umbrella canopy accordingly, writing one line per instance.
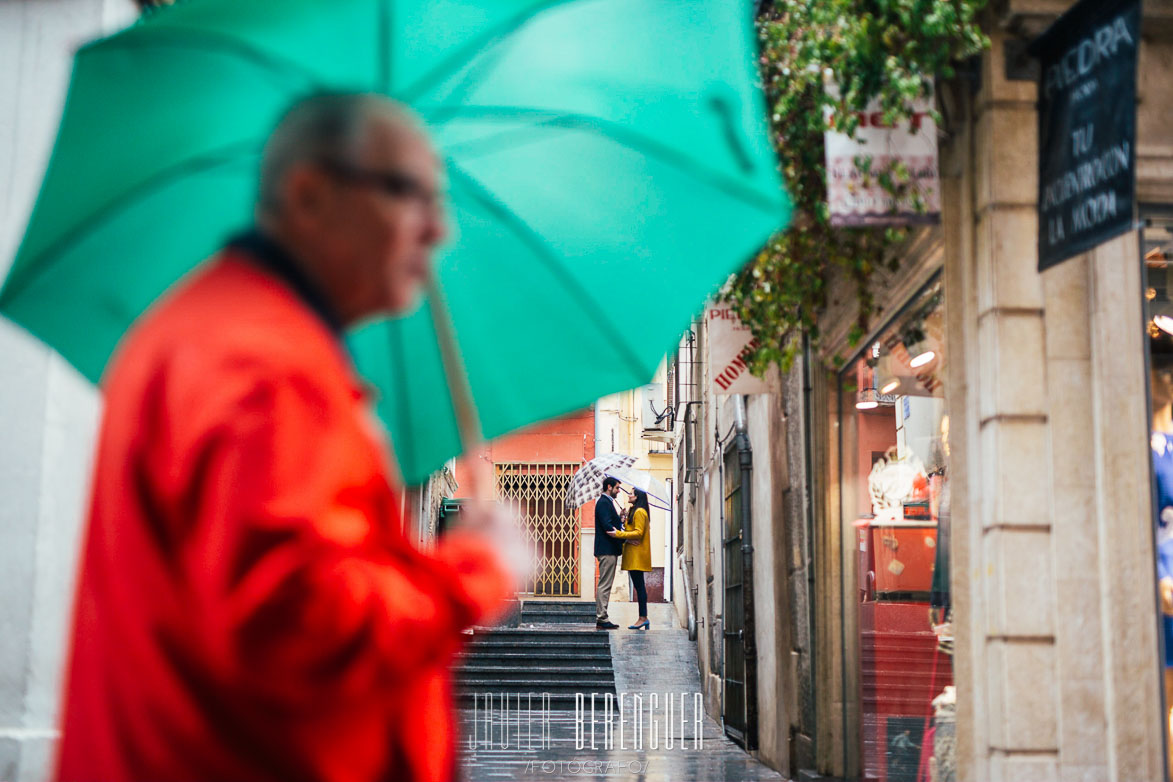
(608, 166)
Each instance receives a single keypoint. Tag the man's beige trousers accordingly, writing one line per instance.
(607, 566)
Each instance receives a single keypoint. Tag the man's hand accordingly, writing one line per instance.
(502, 528)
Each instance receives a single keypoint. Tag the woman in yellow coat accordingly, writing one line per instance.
(637, 552)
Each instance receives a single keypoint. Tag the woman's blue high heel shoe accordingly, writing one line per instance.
(644, 625)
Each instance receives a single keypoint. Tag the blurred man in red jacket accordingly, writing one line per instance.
(249, 607)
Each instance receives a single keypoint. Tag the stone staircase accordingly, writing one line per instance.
(539, 612)
(556, 650)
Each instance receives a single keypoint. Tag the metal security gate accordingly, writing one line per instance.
(735, 713)
(538, 489)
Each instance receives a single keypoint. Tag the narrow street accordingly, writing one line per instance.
(501, 744)
(350, 349)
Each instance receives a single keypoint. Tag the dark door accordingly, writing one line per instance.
(733, 674)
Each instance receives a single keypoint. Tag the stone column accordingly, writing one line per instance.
(1121, 541)
(1056, 661)
(1003, 513)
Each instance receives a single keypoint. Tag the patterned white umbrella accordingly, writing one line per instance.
(587, 483)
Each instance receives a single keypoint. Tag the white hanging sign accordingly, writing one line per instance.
(730, 342)
(856, 199)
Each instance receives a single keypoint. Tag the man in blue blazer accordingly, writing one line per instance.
(607, 550)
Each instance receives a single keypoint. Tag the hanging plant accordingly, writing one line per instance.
(885, 51)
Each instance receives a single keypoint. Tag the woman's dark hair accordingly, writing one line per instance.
(641, 501)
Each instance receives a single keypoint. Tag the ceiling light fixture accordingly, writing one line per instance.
(923, 359)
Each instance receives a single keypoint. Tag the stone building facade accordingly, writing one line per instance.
(1053, 560)
(1034, 413)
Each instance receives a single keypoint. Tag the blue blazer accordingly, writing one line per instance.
(606, 517)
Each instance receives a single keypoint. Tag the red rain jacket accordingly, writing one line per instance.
(249, 607)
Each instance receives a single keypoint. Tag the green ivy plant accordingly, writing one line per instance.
(885, 50)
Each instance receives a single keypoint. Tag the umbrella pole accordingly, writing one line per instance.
(468, 423)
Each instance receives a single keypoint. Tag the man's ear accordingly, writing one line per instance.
(306, 191)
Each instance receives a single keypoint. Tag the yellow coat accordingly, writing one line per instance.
(637, 542)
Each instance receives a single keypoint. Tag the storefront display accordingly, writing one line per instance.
(894, 453)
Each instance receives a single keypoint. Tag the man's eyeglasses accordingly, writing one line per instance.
(396, 184)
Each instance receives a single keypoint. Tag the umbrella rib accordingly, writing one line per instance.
(33, 268)
(384, 79)
(395, 337)
(165, 37)
(534, 241)
(465, 54)
(619, 135)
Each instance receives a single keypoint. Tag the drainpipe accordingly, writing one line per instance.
(598, 426)
(808, 482)
(684, 565)
(748, 644)
(687, 543)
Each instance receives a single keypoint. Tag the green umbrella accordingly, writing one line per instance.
(608, 161)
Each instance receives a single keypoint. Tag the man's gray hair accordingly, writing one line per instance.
(327, 126)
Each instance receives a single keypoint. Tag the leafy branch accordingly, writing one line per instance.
(885, 52)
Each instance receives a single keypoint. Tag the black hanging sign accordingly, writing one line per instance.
(1087, 127)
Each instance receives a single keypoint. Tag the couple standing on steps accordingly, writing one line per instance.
(615, 539)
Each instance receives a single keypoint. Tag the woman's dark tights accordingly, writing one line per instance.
(641, 591)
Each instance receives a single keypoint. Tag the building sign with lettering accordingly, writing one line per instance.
(1087, 127)
(856, 198)
(730, 342)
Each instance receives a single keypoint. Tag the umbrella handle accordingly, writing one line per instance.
(468, 423)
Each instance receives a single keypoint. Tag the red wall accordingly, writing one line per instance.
(567, 439)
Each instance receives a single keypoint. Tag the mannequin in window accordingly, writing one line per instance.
(1162, 447)
(894, 480)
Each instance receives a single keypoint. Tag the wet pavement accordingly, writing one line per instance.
(661, 735)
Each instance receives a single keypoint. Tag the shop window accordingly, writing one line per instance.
(896, 511)
(1156, 248)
